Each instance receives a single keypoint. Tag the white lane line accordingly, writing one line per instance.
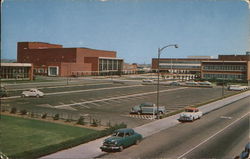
(64, 86)
(88, 90)
(212, 136)
(120, 97)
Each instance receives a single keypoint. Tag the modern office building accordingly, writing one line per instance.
(227, 67)
(54, 60)
(16, 71)
(188, 68)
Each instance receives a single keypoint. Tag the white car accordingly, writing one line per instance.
(147, 81)
(190, 114)
(237, 88)
(32, 93)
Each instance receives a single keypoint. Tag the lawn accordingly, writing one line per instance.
(20, 135)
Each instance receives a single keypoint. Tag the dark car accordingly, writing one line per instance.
(245, 154)
(120, 139)
(3, 92)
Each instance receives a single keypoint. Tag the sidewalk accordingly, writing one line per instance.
(91, 149)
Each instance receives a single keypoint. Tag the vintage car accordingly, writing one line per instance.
(190, 114)
(147, 108)
(32, 93)
(174, 83)
(3, 92)
(147, 81)
(120, 139)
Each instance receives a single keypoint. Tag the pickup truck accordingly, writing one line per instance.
(147, 108)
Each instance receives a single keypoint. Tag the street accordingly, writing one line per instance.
(219, 134)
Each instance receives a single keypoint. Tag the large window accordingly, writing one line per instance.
(225, 67)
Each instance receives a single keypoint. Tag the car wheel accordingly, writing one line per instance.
(139, 113)
(137, 142)
(120, 148)
(37, 96)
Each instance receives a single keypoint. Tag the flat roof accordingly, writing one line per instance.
(111, 58)
(17, 64)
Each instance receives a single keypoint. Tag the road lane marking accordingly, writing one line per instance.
(77, 91)
(119, 97)
(73, 85)
(225, 117)
(213, 135)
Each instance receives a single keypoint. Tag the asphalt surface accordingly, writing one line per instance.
(104, 100)
(222, 133)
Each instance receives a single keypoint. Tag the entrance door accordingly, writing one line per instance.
(53, 70)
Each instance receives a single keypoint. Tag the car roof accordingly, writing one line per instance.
(125, 130)
(191, 108)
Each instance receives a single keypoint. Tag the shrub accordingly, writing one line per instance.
(23, 112)
(44, 115)
(94, 123)
(13, 110)
(56, 117)
(81, 121)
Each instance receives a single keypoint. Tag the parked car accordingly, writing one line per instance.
(174, 83)
(147, 81)
(3, 92)
(147, 108)
(32, 93)
(190, 114)
(206, 83)
(237, 88)
(121, 139)
(192, 83)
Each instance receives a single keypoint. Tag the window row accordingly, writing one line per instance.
(224, 76)
(225, 67)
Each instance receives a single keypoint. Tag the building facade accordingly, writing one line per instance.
(188, 68)
(54, 60)
(16, 71)
(227, 67)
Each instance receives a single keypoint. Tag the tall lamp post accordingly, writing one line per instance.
(158, 74)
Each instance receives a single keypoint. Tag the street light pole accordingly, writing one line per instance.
(158, 75)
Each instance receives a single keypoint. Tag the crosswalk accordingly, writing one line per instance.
(144, 117)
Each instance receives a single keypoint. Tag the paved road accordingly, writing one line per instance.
(219, 134)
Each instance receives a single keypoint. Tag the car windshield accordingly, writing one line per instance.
(146, 104)
(118, 134)
(189, 110)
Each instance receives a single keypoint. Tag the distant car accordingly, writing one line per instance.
(147, 108)
(175, 83)
(120, 139)
(147, 81)
(206, 83)
(3, 92)
(237, 88)
(32, 93)
(192, 83)
(190, 114)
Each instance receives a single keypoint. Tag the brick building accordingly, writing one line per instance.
(227, 67)
(54, 60)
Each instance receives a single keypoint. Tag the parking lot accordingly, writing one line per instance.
(105, 100)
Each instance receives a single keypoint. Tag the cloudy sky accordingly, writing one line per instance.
(133, 28)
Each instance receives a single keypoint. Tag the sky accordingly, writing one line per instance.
(135, 29)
